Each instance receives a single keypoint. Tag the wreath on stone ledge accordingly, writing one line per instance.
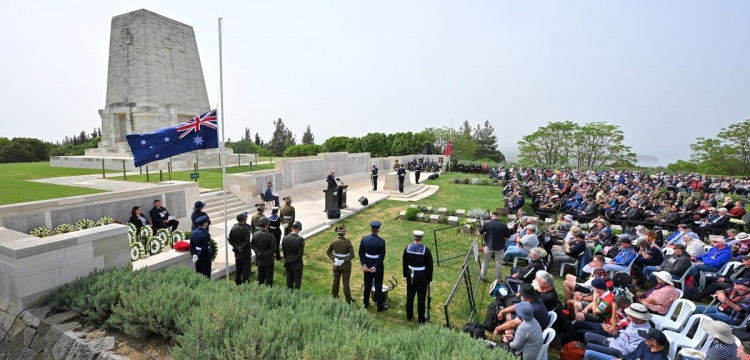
(214, 249)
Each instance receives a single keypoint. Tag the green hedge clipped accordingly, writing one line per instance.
(219, 320)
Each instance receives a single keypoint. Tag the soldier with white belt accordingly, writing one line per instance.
(371, 255)
(417, 266)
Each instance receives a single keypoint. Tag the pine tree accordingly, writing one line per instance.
(258, 141)
(308, 138)
(247, 134)
(487, 143)
(281, 139)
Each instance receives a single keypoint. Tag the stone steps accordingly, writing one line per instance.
(416, 193)
(215, 206)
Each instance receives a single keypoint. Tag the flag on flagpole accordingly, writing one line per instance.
(198, 133)
(449, 148)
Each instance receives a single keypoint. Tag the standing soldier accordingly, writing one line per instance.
(274, 227)
(417, 172)
(287, 215)
(401, 177)
(341, 252)
(255, 219)
(371, 255)
(417, 264)
(264, 245)
(200, 246)
(294, 248)
(374, 177)
(239, 238)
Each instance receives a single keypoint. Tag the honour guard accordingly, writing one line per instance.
(371, 255)
(374, 177)
(239, 238)
(417, 264)
(401, 177)
(341, 252)
(417, 172)
(200, 246)
(287, 215)
(274, 227)
(294, 249)
(255, 219)
(264, 245)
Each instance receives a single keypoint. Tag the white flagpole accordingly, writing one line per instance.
(223, 155)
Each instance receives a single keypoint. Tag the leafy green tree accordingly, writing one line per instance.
(599, 143)
(281, 139)
(728, 153)
(487, 143)
(683, 166)
(440, 138)
(335, 144)
(247, 135)
(258, 141)
(548, 146)
(308, 138)
(402, 144)
(247, 147)
(377, 144)
(302, 150)
(25, 150)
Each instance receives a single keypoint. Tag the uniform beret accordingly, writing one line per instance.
(297, 225)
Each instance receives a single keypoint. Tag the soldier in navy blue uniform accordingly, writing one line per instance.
(417, 171)
(401, 177)
(197, 213)
(274, 227)
(200, 246)
(371, 255)
(374, 177)
(417, 264)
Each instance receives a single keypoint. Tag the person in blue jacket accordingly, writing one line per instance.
(713, 260)
(371, 255)
(200, 247)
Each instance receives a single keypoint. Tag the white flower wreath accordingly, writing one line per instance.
(163, 236)
(137, 251)
(146, 232)
(132, 228)
(176, 236)
(154, 245)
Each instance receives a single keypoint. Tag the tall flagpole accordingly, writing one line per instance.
(223, 160)
(450, 139)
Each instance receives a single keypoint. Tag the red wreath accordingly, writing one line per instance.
(182, 245)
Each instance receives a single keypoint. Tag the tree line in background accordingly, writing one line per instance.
(478, 143)
(30, 149)
(726, 154)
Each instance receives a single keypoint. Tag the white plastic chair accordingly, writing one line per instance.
(704, 349)
(548, 335)
(681, 293)
(680, 339)
(722, 272)
(627, 270)
(552, 319)
(515, 260)
(665, 322)
(668, 251)
(682, 278)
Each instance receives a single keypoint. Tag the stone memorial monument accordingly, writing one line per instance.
(154, 80)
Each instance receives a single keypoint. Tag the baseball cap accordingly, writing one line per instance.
(599, 284)
(653, 334)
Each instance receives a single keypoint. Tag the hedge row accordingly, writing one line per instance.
(222, 321)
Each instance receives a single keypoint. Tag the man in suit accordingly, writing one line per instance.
(495, 233)
(714, 221)
(401, 173)
(517, 202)
(374, 177)
(160, 217)
(269, 195)
(331, 180)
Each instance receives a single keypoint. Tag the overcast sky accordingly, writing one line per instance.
(664, 71)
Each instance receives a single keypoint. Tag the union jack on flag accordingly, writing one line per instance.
(208, 119)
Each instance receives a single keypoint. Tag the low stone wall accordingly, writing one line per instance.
(31, 267)
(177, 196)
(116, 160)
(37, 334)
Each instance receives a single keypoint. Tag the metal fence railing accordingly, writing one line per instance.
(460, 306)
(451, 243)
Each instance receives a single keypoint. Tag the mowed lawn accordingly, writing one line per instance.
(317, 275)
(17, 189)
(208, 178)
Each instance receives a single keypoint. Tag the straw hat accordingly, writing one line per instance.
(719, 330)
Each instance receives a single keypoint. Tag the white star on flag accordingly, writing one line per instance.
(166, 139)
(143, 142)
(151, 147)
(157, 156)
(198, 140)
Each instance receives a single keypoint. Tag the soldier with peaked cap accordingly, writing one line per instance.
(255, 219)
(239, 238)
(341, 251)
(200, 246)
(287, 215)
(374, 177)
(371, 255)
(294, 249)
(264, 245)
(274, 227)
(417, 266)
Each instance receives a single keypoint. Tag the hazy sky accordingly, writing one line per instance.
(664, 71)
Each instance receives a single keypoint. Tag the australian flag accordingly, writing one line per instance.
(200, 132)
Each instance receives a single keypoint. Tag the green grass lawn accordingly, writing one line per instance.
(209, 178)
(17, 189)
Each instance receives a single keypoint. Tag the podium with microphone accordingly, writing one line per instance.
(335, 199)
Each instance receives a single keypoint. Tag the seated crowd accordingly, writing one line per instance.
(620, 282)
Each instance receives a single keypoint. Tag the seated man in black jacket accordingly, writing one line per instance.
(719, 282)
(160, 217)
(527, 274)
